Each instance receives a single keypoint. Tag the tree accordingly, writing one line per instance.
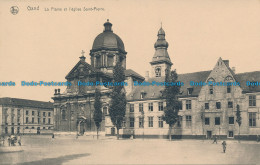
(238, 120)
(97, 112)
(118, 98)
(172, 104)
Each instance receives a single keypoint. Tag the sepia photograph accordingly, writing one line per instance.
(129, 82)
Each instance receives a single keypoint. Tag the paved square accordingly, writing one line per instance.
(86, 150)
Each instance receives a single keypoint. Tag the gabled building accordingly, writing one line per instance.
(207, 110)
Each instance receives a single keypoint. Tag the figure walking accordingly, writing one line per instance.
(19, 140)
(224, 144)
(215, 140)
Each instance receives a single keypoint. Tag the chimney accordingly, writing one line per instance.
(55, 92)
(226, 62)
(58, 91)
(146, 75)
(234, 69)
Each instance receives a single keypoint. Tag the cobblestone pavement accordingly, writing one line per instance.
(88, 150)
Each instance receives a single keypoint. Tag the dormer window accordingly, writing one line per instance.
(158, 71)
(190, 90)
(143, 94)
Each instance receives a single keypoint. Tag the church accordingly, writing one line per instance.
(207, 111)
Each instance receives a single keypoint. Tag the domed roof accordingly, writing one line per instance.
(108, 40)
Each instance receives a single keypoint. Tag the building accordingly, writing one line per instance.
(74, 108)
(21, 116)
(206, 110)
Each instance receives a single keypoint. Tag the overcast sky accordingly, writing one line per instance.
(45, 46)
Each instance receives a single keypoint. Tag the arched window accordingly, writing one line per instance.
(105, 111)
(210, 82)
(158, 72)
(63, 114)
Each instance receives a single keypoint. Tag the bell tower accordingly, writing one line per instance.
(161, 60)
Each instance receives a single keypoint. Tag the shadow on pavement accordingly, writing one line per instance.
(57, 161)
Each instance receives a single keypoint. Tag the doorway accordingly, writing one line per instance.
(209, 134)
(113, 132)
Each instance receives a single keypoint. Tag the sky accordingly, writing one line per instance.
(40, 45)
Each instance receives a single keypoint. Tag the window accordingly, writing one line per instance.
(180, 105)
(218, 105)
(18, 130)
(211, 89)
(150, 106)
(33, 120)
(190, 90)
(132, 108)
(150, 120)
(160, 122)
(141, 122)
(18, 112)
(6, 130)
(231, 120)
(252, 101)
(141, 107)
(142, 95)
(33, 113)
(252, 119)
(63, 114)
(38, 113)
(158, 72)
(217, 120)
(32, 127)
(206, 105)
(18, 120)
(110, 60)
(179, 122)
(27, 112)
(207, 121)
(230, 104)
(43, 127)
(39, 120)
(44, 120)
(228, 89)
(49, 127)
(124, 123)
(160, 106)
(230, 134)
(188, 104)
(105, 111)
(44, 114)
(49, 120)
(49, 114)
(26, 120)
(188, 121)
(132, 122)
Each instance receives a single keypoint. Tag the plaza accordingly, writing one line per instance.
(42, 149)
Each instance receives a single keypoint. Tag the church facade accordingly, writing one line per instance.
(207, 110)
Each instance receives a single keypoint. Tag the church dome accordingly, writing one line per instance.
(108, 40)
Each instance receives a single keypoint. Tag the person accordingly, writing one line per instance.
(53, 135)
(215, 140)
(9, 141)
(19, 140)
(224, 144)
